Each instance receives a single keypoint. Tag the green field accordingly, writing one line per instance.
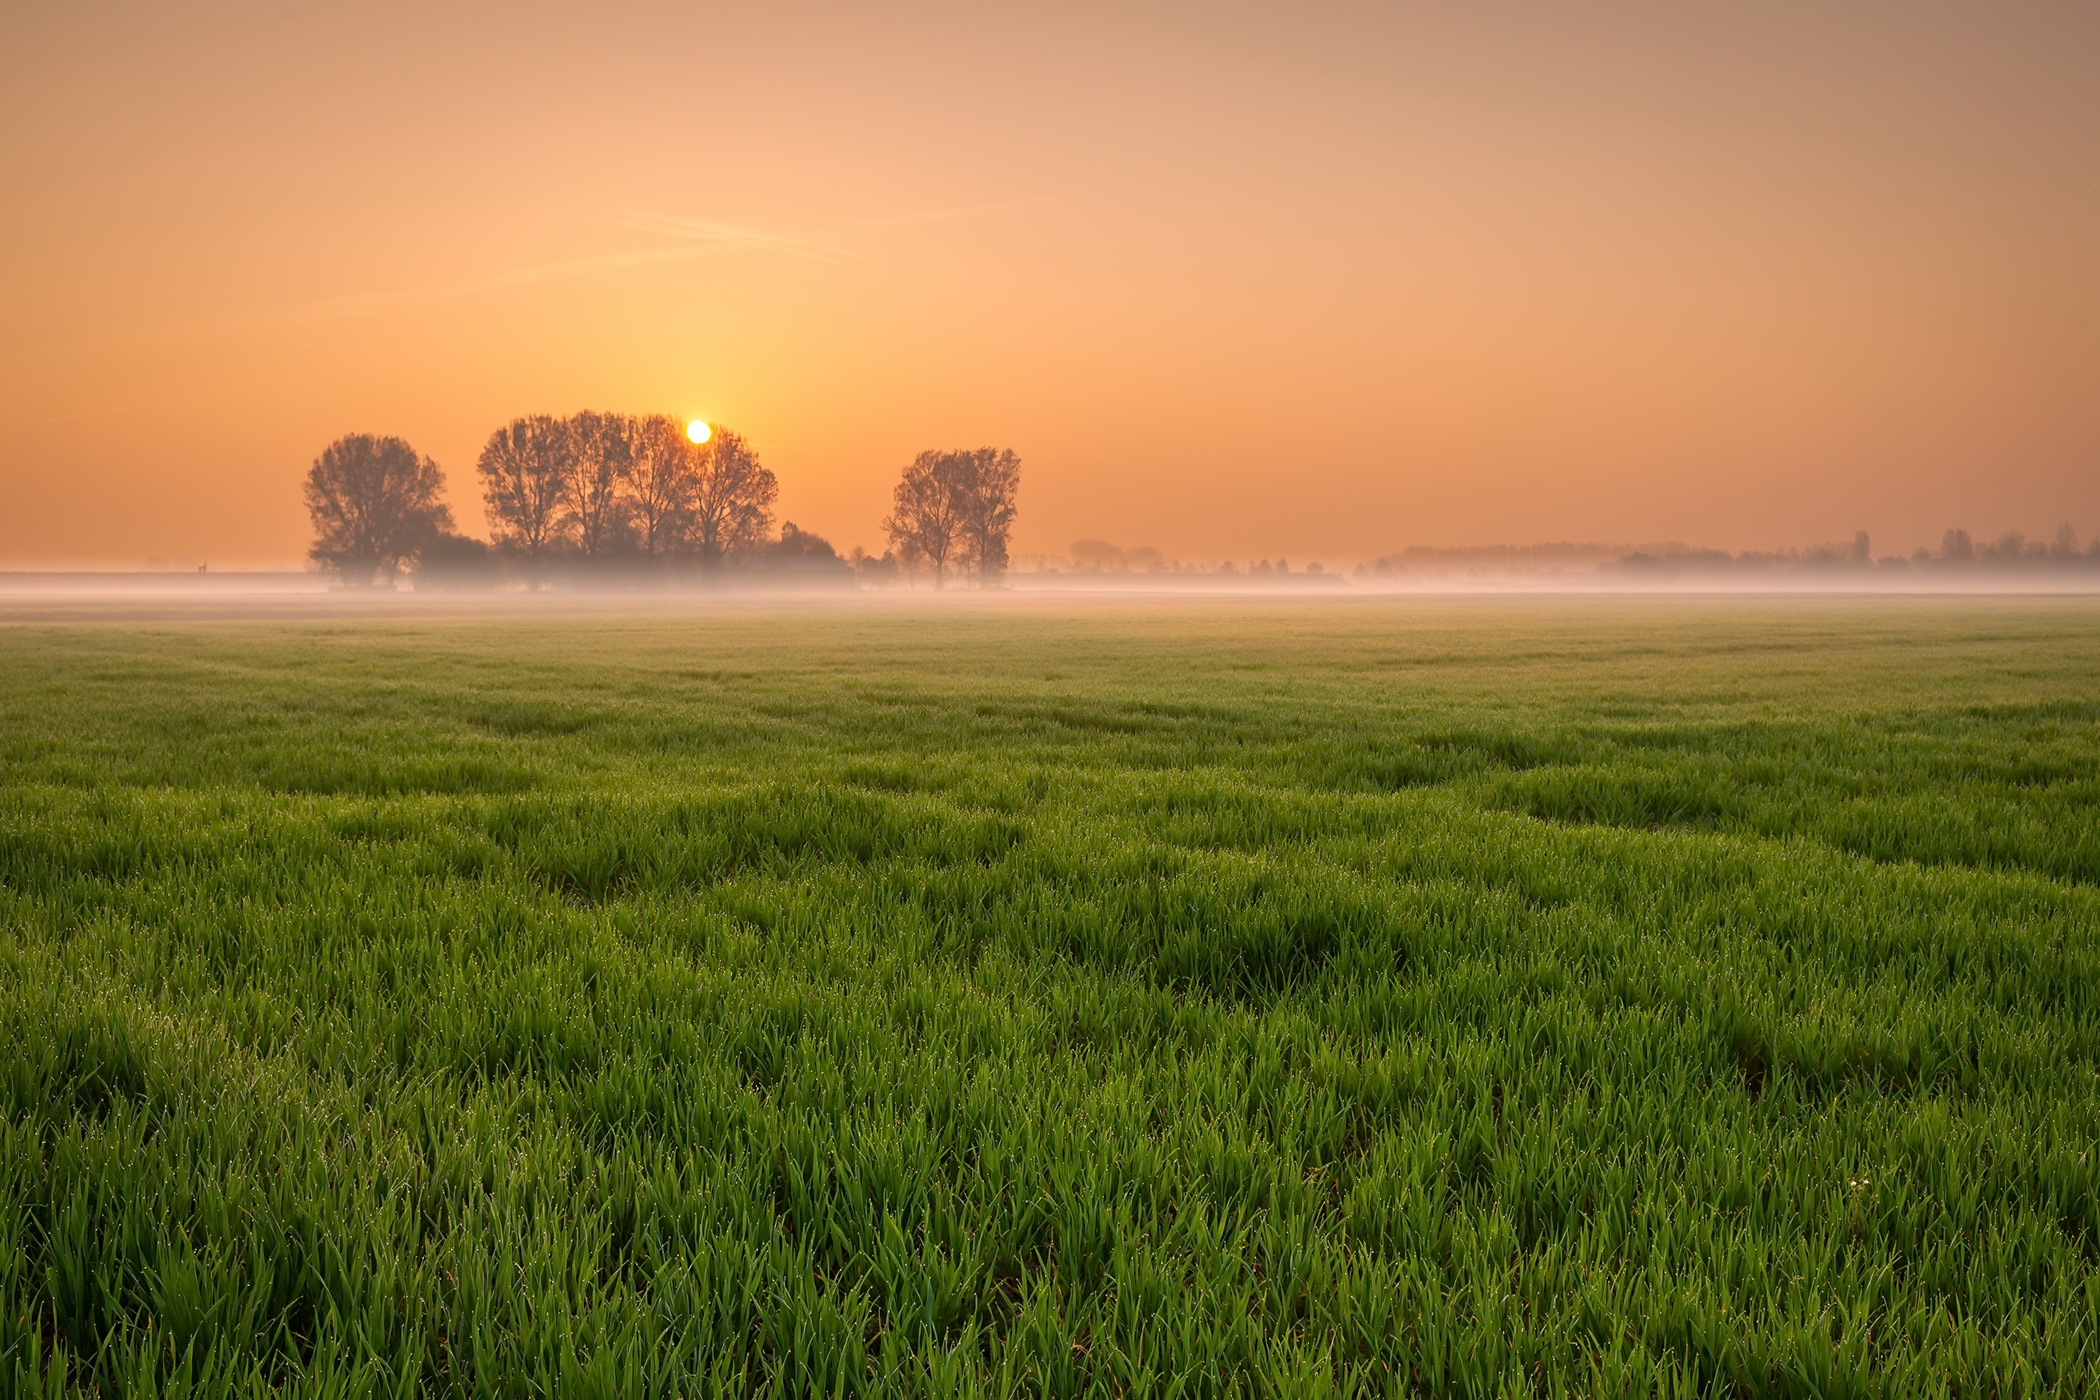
(1465, 997)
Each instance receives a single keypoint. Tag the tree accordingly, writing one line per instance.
(662, 478)
(956, 508)
(597, 481)
(732, 498)
(925, 523)
(449, 561)
(524, 472)
(882, 571)
(991, 482)
(798, 543)
(374, 503)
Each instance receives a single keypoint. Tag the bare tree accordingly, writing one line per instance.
(524, 472)
(662, 478)
(925, 523)
(956, 508)
(597, 481)
(374, 503)
(991, 481)
(732, 500)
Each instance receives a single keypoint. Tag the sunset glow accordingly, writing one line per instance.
(1740, 276)
(697, 430)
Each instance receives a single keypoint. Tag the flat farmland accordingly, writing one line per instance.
(1469, 997)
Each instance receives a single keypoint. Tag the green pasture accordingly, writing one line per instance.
(1693, 997)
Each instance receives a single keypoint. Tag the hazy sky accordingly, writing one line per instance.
(1234, 280)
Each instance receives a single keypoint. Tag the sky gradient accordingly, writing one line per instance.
(1234, 281)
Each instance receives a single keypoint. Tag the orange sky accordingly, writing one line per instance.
(1234, 281)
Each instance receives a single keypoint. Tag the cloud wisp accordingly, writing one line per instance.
(697, 238)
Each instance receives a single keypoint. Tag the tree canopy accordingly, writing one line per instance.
(604, 484)
(599, 470)
(732, 499)
(524, 484)
(606, 487)
(956, 510)
(662, 481)
(374, 503)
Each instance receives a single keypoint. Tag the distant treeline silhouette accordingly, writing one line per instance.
(1957, 551)
(1094, 556)
(632, 499)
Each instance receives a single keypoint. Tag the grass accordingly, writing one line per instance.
(1601, 997)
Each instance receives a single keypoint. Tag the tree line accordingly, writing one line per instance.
(1957, 550)
(566, 493)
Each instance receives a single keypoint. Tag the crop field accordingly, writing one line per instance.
(1694, 997)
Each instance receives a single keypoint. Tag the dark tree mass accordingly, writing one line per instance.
(662, 478)
(994, 481)
(732, 498)
(956, 510)
(606, 486)
(524, 476)
(599, 467)
(625, 498)
(374, 504)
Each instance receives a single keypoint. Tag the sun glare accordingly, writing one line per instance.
(697, 430)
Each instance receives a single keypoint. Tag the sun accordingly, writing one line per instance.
(698, 431)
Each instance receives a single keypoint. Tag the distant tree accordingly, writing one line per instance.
(956, 508)
(1862, 548)
(663, 477)
(374, 502)
(871, 569)
(732, 500)
(1956, 546)
(450, 561)
(2066, 546)
(926, 520)
(598, 504)
(991, 483)
(798, 543)
(524, 472)
(1097, 554)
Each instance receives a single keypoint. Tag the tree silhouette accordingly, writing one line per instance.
(449, 561)
(374, 503)
(597, 481)
(732, 497)
(925, 523)
(524, 471)
(663, 474)
(990, 483)
(953, 508)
